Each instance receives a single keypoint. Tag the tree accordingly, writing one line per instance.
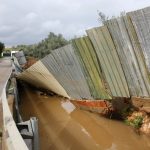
(102, 18)
(43, 48)
(2, 46)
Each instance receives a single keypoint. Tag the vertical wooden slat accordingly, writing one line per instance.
(109, 61)
(88, 56)
(63, 64)
(129, 52)
(141, 22)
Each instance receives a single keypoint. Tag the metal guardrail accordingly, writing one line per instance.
(12, 138)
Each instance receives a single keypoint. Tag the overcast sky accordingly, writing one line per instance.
(29, 21)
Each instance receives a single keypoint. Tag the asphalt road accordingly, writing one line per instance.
(5, 70)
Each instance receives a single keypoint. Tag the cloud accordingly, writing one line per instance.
(29, 21)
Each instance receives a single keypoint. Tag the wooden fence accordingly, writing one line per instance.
(112, 61)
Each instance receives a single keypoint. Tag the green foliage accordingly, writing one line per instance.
(136, 122)
(44, 47)
(2, 46)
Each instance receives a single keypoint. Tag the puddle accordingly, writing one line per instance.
(63, 127)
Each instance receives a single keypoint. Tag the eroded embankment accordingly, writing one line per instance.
(62, 126)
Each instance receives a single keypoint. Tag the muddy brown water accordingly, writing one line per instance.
(64, 127)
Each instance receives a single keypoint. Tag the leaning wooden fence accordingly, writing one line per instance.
(64, 65)
(141, 22)
(112, 61)
(130, 55)
(109, 61)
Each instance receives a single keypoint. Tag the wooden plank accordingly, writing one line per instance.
(129, 52)
(74, 71)
(141, 63)
(55, 68)
(97, 63)
(125, 60)
(109, 61)
(98, 81)
(141, 22)
(85, 71)
(84, 88)
(65, 67)
(88, 66)
(104, 50)
(93, 54)
(94, 38)
(63, 70)
(118, 72)
(98, 85)
(85, 60)
(39, 76)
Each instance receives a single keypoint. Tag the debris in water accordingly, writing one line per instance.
(68, 106)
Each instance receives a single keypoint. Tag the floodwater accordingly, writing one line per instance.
(64, 127)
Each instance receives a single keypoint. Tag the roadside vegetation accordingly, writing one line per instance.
(135, 122)
(44, 47)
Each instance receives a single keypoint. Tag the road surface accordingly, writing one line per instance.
(5, 70)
